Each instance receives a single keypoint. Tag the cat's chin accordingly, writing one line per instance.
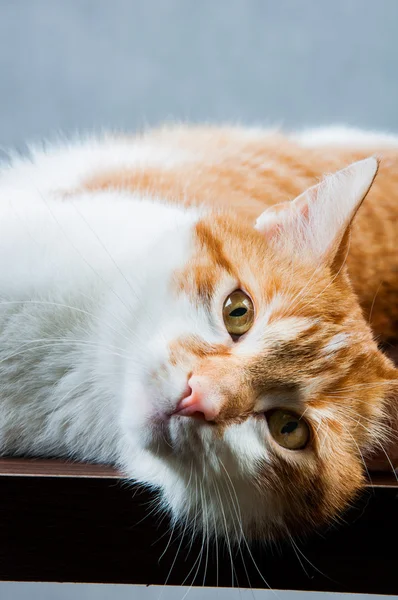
(176, 437)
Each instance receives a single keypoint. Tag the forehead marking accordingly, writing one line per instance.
(201, 274)
(264, 335)
(336, 343)
(214, 247)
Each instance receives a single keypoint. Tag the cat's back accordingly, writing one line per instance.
(247, 169)
(63, 166)
(243, 169)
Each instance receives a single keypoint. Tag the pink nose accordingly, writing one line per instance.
(198, 400)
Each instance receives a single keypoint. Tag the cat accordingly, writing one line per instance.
(193, 306)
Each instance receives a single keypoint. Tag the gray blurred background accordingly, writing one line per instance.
(68, 65)
(86, 64)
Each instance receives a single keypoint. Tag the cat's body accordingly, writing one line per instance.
(115, 264)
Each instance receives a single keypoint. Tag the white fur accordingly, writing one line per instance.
(58, 262)
(340, 135)
(336, 343)
(63, 166)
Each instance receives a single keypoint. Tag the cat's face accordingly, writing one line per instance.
(264, 387)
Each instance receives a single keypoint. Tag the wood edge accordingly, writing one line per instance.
(36, 467)
(382, 480)
(33, 467)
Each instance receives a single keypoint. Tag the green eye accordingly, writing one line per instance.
(238, 313)
(288, 430)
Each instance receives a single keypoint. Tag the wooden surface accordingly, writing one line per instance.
(32, 467)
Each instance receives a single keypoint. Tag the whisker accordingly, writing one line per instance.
(169, 541)
(389, 382)
(226, 532)
(216, 545)
(205, 508)
(297, 555)
(74, 308)
(69, 341)
(236, 509)
(306, 559)
(373, 303)
(193, 525)
(378, 444)
(244, 538)
(71, 391)
(179, 545)
(51, 345)
(200, 555)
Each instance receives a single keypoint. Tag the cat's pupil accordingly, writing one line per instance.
(289, 427)
(238, 312)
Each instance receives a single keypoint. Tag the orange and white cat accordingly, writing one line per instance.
(193, 306)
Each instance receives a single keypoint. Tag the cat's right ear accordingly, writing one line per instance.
(315, 223)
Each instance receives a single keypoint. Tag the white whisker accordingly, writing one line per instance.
(243, 536)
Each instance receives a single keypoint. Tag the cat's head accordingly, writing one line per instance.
(262, 388)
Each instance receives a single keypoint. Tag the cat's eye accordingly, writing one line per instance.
(238, 313)
(288, 430)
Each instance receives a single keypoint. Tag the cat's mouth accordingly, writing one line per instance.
(179, 434)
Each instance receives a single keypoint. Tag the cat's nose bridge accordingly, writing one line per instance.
(214, 399)
(200, 400)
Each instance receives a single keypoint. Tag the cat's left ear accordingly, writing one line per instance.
(315, 223)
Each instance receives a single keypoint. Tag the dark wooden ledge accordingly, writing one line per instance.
(34, 467)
